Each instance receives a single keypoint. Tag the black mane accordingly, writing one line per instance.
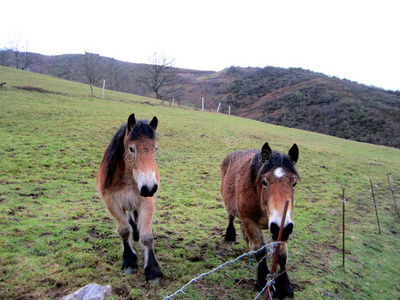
(277, 160)
(115, 150)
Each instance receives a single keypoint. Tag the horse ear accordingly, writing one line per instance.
(131, 123)
(294, 153)
(154, 123)
(266, 153)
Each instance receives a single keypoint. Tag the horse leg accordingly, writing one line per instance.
(246, 239)
(282, 283)
(134, 226)
(151, 267)
(230, 235)
(129, 264)
(257, 240)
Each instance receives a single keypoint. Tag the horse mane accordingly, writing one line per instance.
(116, 148)
(257, 167)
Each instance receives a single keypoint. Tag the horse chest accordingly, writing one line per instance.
(128, 198)
(253, 211)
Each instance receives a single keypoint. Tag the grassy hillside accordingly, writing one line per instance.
(290, 97)
(55, 235)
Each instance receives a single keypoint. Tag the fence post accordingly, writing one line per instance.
(202, 103)
(343, 227)
(219, 105)
(376, 210)
(102, 92)
(391, 190)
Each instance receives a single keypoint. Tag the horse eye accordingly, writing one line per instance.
(264, 182)
(132, 149)
(294, 184)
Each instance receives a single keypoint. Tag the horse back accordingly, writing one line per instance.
(234, 177)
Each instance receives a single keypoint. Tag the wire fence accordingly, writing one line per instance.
(270, 251)
(379, 190)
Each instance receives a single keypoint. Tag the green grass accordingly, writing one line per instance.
(56, 236)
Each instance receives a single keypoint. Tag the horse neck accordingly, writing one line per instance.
(251, 174)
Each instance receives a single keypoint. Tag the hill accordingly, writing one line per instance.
(56, 237)
(293, 97)
(302, 99)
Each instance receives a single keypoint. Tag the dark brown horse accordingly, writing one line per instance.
(127, 180)
(255, 186)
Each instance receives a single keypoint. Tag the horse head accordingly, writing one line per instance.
(139, 156)
(276, 180)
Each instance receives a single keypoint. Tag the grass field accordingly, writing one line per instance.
(56, 236)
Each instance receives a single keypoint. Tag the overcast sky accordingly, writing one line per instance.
(357, 40)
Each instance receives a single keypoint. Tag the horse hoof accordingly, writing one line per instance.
(156, 281)
(284, 294)
(130, 270)
(230, 239)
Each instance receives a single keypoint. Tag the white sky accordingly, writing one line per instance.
(357, 40)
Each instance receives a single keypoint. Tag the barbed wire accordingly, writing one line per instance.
(269, 248)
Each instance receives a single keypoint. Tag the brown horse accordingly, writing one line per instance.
(255, 186)
(127, 180)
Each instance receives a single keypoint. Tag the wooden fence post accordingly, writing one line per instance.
(343, 227)
(102, 92)
(391, 190)
(376, 210)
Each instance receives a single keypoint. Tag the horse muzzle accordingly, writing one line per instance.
(147, 184)
(287, 230)
(147, 191)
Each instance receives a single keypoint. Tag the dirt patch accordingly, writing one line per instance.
(74, 228)
(332, 247)
(122, 292)
(33, 195)
(45, 234)
(33, 89)
(93, 232)
(12, 211)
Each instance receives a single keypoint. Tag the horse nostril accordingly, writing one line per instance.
(274, 229)
(155, 188)
(288, 229)
(145, 191)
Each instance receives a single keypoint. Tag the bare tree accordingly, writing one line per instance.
(158, 73)
(17, 54)
(90, 65)
(17, 50)
(27, 58)
(117, 74)
(200, 90)
(4, 57)
(22, 59)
